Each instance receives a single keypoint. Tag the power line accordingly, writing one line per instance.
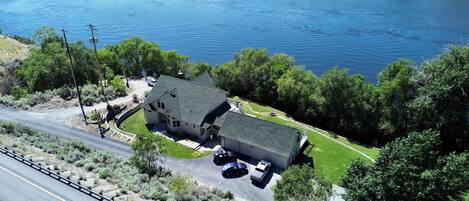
(73, 76)
(94, 40)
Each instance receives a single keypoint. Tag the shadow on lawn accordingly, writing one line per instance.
(304, 157)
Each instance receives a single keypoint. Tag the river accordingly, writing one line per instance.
(362, 35)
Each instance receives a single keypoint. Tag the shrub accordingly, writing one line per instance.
(118, 84)
(104, 173)
(18, 92)
(180, 185)
(135, 98)
(228, 195)
(94, 115)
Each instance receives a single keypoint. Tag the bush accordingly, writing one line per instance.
(104, 173)
(180, 185)
(118, 84)
(94, 115)
(228, 195)
(135, 98)
(18, 92)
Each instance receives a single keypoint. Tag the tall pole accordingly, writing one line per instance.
(94, 40)
(73, 76)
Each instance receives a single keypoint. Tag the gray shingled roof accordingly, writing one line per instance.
(204, 79)
(263, 134)
(185, 100)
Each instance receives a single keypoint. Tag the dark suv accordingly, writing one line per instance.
(234, 169)
(222, 156)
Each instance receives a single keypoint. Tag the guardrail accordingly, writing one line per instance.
(54, 175)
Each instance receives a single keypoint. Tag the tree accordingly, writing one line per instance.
(146, 154)
(195, 69)
(441, 101)
(298, 91)
(395, 90)
(44, 35)
(301, 183)
(349, 104)
(244, 73)
(409, 169)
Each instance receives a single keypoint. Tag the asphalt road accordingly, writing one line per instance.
(19, 182)
(201, 169)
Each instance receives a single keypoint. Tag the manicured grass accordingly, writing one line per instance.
(136, 124)
(330, 159)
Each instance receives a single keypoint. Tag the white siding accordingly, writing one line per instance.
(151, 117)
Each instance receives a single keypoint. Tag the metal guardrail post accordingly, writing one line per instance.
(54, 175)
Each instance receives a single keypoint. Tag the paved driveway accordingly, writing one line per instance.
(206, 172)
(202, 169)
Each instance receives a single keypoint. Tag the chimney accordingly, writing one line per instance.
(180, 74)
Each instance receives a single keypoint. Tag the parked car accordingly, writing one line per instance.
(261, 170)
(234, 169)
(222, 156)
(151, 82)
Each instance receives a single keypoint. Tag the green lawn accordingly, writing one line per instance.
(136, 124)
(466, 197)
(330, 159)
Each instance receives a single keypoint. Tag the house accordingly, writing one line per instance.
(260, 139)
(201, 110)
(186, 106)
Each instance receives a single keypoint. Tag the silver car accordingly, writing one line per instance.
(261, 170)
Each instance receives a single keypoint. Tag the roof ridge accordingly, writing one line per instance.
(264, 120)
(199, 84)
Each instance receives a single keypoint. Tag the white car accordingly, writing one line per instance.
(261, 170)
(151, 82)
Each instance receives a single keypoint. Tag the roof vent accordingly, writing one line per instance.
(180, 74)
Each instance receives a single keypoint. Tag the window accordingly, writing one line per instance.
(193, 126)
(159, 105)
(186, 123)
(178, 123)
(162, 105)
(152, 107)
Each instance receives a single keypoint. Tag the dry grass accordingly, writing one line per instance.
(10, 49)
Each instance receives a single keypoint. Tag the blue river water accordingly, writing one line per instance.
(362, 35)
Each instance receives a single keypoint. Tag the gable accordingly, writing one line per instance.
(187, 100)
(204, 79)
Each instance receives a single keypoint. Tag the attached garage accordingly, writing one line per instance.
(260, 139)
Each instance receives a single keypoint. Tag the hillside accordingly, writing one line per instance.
(10, 50)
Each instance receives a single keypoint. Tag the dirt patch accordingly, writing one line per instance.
(11, 50)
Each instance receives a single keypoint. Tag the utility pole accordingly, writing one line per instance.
(73, 76)
(93, 39)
